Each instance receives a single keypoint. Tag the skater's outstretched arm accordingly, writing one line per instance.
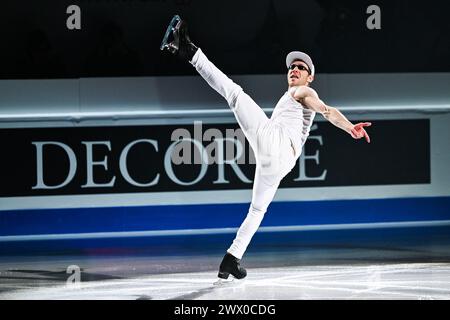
(310, 99)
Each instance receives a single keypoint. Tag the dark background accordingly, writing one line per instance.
(122, 37)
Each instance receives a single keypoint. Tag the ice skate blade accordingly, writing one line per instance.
(222, 282)
(172, 27)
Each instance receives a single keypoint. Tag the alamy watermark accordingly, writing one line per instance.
(221, 149)
(374, 20)
(74, 280)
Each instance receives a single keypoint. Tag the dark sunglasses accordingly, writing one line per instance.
(300, 67)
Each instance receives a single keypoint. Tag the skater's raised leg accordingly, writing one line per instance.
(249, 115)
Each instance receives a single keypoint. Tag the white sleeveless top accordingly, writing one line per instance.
(294, 119)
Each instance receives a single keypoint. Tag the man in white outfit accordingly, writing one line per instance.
(277, 141)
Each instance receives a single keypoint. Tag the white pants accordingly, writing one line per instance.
(273, 151)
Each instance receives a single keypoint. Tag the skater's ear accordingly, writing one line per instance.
(309, 79)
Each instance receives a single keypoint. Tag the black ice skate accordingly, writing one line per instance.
(177, 41)
(230, 265)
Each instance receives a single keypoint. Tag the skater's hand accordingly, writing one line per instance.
(358, 132)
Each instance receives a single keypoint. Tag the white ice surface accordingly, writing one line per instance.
(382, 281)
